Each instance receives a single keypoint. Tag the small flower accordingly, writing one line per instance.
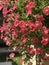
(44, 41)
(39, 50)
(46, 10)
(45, 30)
(45, 57)
(28, 12)
(31, 25)
(11, 55)
(30, 5)
(4, 12)
(8, 43)
(16, 23)
(38, 24)
(39, 17)
(24, 39)
(31, 51)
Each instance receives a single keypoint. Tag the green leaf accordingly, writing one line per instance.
(17, 60)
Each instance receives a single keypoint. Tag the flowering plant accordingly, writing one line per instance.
(24, 27)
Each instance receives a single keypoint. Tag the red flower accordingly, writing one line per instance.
(44, 41)
(46, 10)
(39, 50)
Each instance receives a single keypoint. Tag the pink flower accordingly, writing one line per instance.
(28, 12)
(22, 24)
(30, 5)
(23, 30)
(22, 27)
(16, 23)
(24, 39)
(31, 51)
(44, 41)
(38, 25)
(14, 32)
(46, 10)
(4, 12)
(7, 40)
(45, 30)
(31, 25)
(14, 7)
(39, 50)
(11, 55)
(8, 43)
(39, 17)
(45, 57)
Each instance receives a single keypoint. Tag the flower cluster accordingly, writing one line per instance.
(24, 33)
